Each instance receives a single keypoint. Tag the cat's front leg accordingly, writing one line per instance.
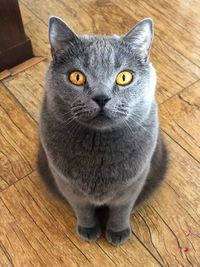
(88, 226)
(118, 229)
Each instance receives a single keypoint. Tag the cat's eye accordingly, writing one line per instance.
(77, 78)
(124, 78)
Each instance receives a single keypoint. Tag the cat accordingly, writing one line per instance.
(100, 144)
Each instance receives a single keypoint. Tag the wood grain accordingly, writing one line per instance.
(180, 119)
(54, 242)
(177, 35)
(6, 261)
(18, 140)
(4, 74)
(169, 224)
(185, 15)
(38, 32)
(28, 87)
(27, 15)
(25, 65)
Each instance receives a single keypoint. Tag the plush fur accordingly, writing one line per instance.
(101, 155)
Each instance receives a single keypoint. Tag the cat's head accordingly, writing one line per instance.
(101, 81)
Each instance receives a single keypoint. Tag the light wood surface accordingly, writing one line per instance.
(38, 230)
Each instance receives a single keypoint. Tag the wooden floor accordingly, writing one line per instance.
(37, 230)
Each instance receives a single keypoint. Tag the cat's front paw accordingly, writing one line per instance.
(90, 234)
(118, 238)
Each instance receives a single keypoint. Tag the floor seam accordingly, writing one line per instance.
(196, 160)
(184, 88)
(3, 190)
(19, 103)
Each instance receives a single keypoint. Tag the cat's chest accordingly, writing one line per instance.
(101, 164)
(97, 152)
(98, 163)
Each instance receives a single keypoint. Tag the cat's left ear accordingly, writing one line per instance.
(141, 37)
(60, 35)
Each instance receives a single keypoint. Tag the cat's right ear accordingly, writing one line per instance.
(59, 34)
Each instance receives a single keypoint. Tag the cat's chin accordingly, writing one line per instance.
(101, 123)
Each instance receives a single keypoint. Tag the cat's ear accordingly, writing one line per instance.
(141, 36)
(59, 34)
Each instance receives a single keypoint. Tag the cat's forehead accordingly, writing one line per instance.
(106, 54)
(100, 52)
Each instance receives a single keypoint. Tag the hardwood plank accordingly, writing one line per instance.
(185, 14)
(4, 257)
(25, 65)
(28, 87)
(185, 41)
(38, 33)
(107, 18)
(173, 65)
(180, 119)
(164, 85)
(31, 210)
(18, 138)
(4, 74)
(15, 241)
(37, 30)
(21, 67)
(26, 14)
(169, 224)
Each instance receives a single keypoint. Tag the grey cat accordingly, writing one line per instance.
(99, 127)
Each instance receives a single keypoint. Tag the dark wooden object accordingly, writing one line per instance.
(15, 47)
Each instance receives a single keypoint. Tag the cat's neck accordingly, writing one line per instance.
(127, 133)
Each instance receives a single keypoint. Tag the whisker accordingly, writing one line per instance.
(118, 112)
(73, 128)
(78, 106)
(79, 94)
(136, 115)
(122, 110)
(78, 114)
(128, 127)
(67, 113)
(79, 109)
(69, 121)
(139, 125)
(76, 130)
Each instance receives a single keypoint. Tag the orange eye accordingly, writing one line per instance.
(77, 78)
(124, 78)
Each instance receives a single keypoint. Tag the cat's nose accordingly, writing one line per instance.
(101, 100)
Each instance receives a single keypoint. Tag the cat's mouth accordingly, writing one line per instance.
(101, 115)
(101, 120)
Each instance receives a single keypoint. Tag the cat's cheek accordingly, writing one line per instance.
(150, 88)
(153, 77)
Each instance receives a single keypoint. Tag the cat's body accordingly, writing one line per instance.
(104, 159)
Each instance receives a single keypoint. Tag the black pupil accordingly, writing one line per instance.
(123, 77)
(77, 77)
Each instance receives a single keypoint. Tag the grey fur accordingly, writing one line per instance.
(116, 159)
